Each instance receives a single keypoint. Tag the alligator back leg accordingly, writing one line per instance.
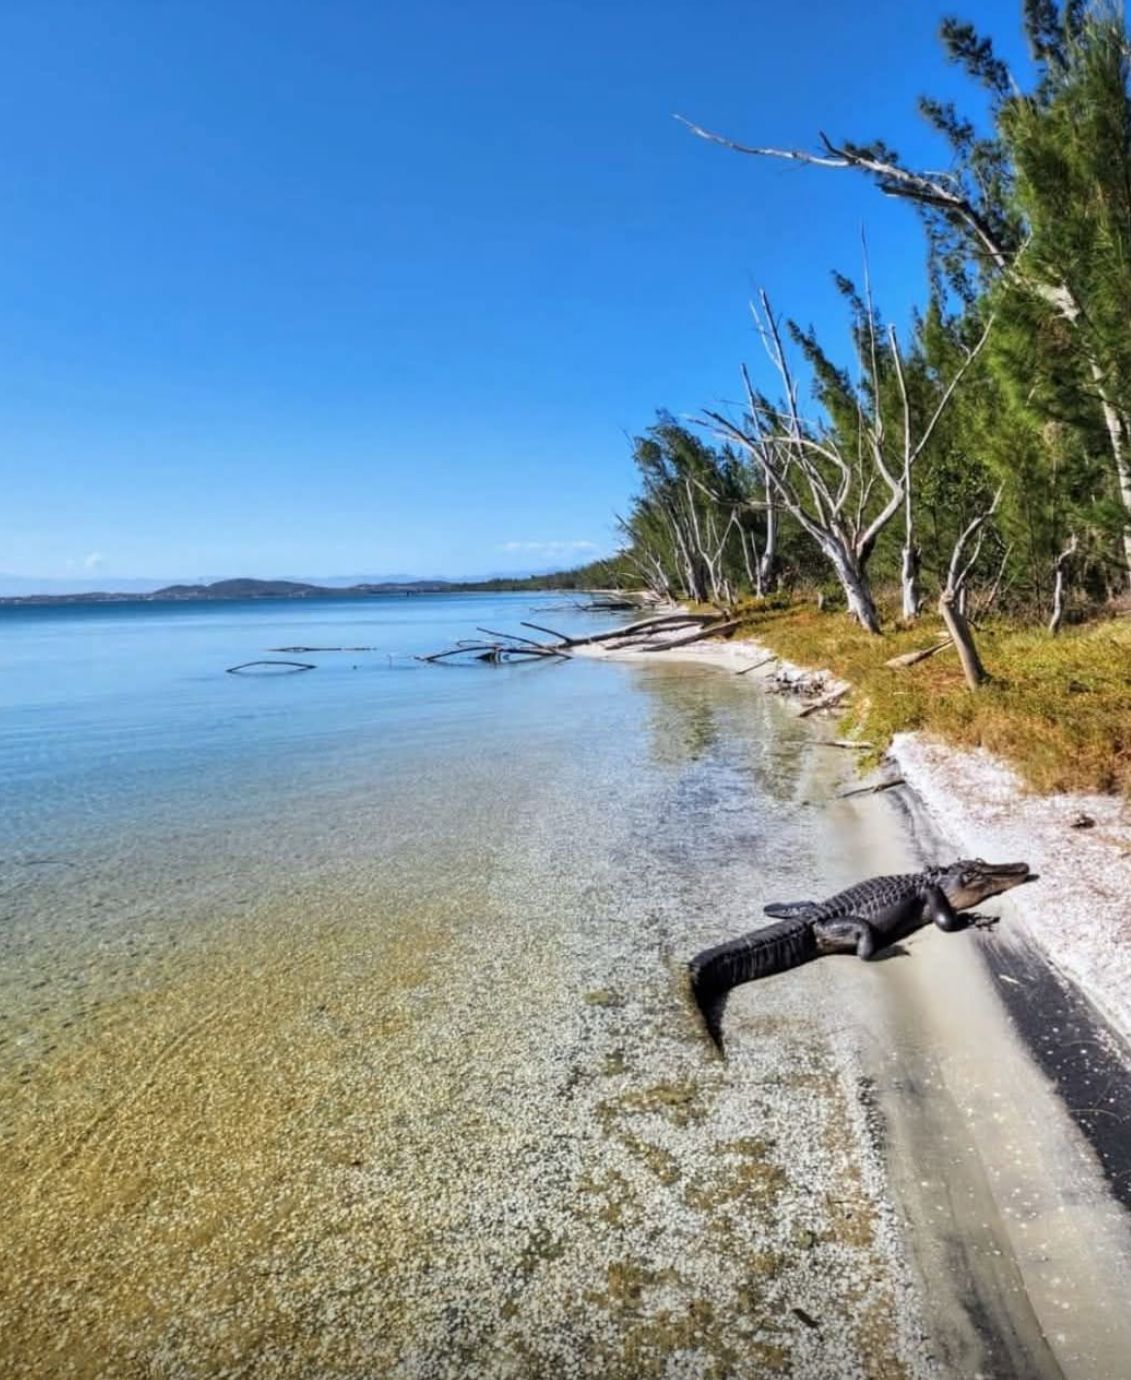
(789, 910)
(846, 935)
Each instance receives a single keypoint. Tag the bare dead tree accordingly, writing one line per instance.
(987, 599)
(944, 196)
(826, 492)
(1060, 566)
(952, 599)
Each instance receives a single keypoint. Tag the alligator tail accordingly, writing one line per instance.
(789, 910)
(772, 949)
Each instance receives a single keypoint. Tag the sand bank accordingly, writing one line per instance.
(984, 1069)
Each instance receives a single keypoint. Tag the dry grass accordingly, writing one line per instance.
(1058, 709)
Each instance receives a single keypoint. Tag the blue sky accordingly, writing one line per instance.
(353, 287)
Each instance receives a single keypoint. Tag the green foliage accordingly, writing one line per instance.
(1059, 709)
(1030, 228)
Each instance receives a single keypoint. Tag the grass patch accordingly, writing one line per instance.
(1058, 708)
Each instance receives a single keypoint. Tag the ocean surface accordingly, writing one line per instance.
(345, 1028)
(344, 1023)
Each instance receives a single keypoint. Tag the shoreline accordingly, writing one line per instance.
(978, 805)
(998, 1083)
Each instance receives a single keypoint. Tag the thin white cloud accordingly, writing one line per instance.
(547, 547)
(94, 560)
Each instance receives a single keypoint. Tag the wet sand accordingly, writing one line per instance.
(459, 1118)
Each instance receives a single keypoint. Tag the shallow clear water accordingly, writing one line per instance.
(343, 1019)
(115, 716)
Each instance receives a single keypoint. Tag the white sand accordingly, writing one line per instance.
(1080, 914)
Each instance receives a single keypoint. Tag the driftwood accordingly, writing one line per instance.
(497, 652)
(913, 658)
(851, 744)
(766, 661)
(322, 649)
(526, 641)
(712, 630)
(646, 626)
(645, 634)
(874, 790)
(825, 702)
(290, 665)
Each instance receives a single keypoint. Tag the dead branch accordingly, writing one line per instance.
(657, 624)
(712, 630)
(496, 653)
(526, 641)
(953, 593)
(290, 665)
(766, 661)
(825, 702)
(913, 658)
(873, 790)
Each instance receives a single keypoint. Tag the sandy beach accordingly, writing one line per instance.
(1003, 1132)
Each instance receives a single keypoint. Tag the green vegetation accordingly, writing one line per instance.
(972, 478)
(1059, 709)
(983, 460)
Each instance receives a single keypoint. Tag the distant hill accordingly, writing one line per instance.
(601, 574)
(242, 589)
(268, 589)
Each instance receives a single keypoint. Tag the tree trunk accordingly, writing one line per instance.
(909, 580)
(1059, 568)
(770, 550)
(1118, 440)
(963, 639)
(854, 581)
(752, 569)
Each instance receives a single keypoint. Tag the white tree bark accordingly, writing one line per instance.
(952, 600)
(815, 483)
(1060, 566)
(944, 195)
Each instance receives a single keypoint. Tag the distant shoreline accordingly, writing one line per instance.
(289, 589)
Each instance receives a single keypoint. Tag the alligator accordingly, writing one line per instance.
(863, 920)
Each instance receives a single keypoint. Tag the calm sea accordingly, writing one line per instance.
(343, 1014)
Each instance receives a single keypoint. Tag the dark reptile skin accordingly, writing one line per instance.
(871, 899)
(884, 902)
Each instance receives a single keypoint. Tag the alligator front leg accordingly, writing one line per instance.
(937, 910)
(847, 935)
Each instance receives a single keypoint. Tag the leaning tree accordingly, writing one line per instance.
(844, 477)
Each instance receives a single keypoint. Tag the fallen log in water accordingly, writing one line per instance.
(646, 634)
(526, 641)
(496, 653)
(289, 665)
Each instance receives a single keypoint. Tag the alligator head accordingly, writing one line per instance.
(969, 882)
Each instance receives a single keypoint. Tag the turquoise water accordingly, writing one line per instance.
(344, 1025)
(123, 715)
